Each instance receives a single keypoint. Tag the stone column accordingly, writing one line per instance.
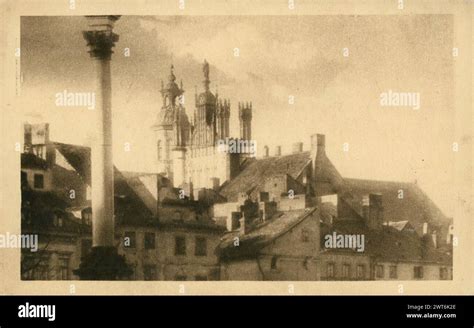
(103, 263)
(100, 40)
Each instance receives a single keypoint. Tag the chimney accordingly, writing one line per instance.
(318, 144)
(321, 143)
(215, 183)
(233, 223)
(365, 208)
(278, 151)
(297, 147)
(242, 228)
(265, 151)
(375, 211)
(27, 138)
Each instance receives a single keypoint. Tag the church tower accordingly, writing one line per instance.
(223, 115)
(205, 123)
(171, 127)
(245, 118)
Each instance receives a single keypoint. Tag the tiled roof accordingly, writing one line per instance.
(261, 235)
(32, 161)
(389, 244)
(415, 206)
(256, 171)
(78, 157)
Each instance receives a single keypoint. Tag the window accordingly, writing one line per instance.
(304, 235)
(149, 240)
(24, 180)
(393, 272)
(360, 271)
(346, 270)
(179, 245)
(38, 181)
(86, 217)
(158, 146)
(418, 272)
(177, 216)
(35, 268)
(200, 278)
(273, 263)
(63, 273)
(149, 272)
(180, 278)
(379, 271)
(443, 273)
(331, 270)
(129, 240)
(57, 220)
(41, 272)
(201, 246)
(86, 246)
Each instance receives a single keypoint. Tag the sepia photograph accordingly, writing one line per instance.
(222, 148)
(237, 148)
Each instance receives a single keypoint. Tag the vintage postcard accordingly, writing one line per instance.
(206, 147)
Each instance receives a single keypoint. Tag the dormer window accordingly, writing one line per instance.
(38, 181)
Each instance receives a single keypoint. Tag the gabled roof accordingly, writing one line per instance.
(126, 184)
(261, 235)
(78, 157)
(255, 171)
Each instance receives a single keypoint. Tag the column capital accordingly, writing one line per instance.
(100, 43)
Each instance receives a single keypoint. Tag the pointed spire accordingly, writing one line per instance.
(205, 70)
(172, 78)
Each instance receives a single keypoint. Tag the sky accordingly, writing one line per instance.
(280, 57)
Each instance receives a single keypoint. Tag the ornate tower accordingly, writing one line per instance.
(223, 115)
(172, 125)
(245, 118)
(205, 127)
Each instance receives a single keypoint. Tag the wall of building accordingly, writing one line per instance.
(295, 203)
(406, 271)
(47, 178)
(277, 261)
(56, 258)
(205, 163)
(167, 264)
(242, 270)
(338, 260)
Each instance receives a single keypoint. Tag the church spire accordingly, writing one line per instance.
(205, 70)
(172, 90)
(171, 77)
